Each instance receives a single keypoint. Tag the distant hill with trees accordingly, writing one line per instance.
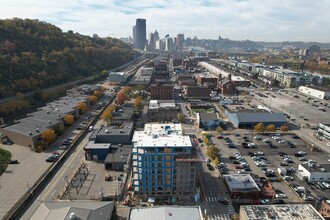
(35, 54)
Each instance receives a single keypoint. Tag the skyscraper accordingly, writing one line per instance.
(179, 41)
(134, 36)
(141, 35)
(156, 35)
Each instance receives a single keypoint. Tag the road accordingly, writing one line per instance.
(213, 188)
(57, 183)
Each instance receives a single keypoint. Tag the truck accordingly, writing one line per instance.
(281, 171)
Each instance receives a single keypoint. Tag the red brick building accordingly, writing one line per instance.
(203, 79)
(159, 91)
(199, 92)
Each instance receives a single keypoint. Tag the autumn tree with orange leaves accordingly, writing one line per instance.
(93, 98)
(82, 107)
(97, 93)
(48, 137)
(69, 119)
(137, 102)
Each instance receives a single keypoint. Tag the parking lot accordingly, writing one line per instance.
(300, 108)
(281, 150)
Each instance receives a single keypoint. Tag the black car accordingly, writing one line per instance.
(13, 162)
(272, 146)
(245, 145)
(223, 201)
(210, 167)
(232, 158)
(51, 159)
(278, 201)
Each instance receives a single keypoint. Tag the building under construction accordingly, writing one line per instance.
(164, 166)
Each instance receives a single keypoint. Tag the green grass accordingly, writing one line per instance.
(4, 159)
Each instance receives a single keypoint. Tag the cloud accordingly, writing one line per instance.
(265, 20)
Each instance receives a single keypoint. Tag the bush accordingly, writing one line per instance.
(4, 159)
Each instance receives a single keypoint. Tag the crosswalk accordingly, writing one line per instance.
(212, 199)
(218, 217)
(230, 209)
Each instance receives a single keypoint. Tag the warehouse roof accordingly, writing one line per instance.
(281, 212)
(260, 117)
(84, 210)
(166, 213)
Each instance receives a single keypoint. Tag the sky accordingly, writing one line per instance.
(258, 20)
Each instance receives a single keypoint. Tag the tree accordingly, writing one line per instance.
(93, 98)
(97, 93)
(284, 128)
(107, 114)
(180, 117)
(207, 141)
(271, 128)
(48, 137)
(121, 98)
(137, 102)
(212, 152)
(260, 127)
(20, 95)
(107, 117)
(82, 107)
(69, 119)
(219, 129)
(216, 161)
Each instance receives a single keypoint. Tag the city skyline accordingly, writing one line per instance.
(235, 19)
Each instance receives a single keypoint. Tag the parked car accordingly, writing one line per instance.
(220, 137)
(51, 159)
(63, 147)
(264, 201)
(13, 162)
(278, 201)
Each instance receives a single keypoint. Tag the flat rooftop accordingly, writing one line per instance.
(241, 183)
(166, 213)
(161, 135)
(93, 145)
(314, 169)
(238, 78)
(125, 129)
(285, 212)
(162, 104)
(323, 89)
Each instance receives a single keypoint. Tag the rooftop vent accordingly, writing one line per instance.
(30, 132)
(121, 131)
(107, 131)
(49, 122)
(37, 130)
(47, 112)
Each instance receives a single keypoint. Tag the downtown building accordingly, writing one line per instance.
(163, 163)
(139, 34)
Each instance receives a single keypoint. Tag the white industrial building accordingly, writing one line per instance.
(310, 172)
(317, 92)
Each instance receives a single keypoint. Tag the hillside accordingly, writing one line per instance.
(36, 54)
